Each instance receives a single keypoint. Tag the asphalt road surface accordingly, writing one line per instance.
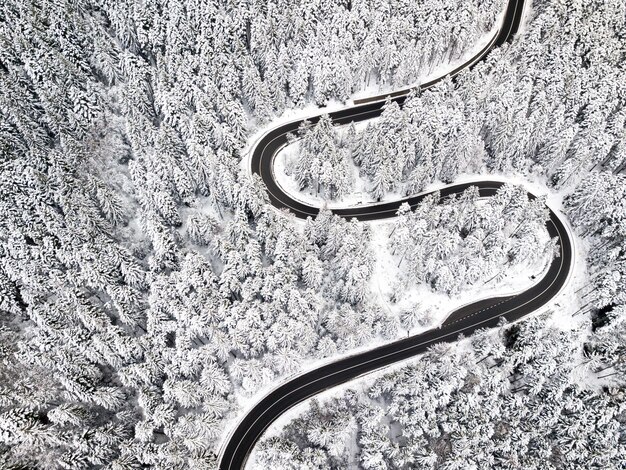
(482, 314)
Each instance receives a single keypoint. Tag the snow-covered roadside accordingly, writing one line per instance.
(527, 15)
(285, 418)
(287, 183)
(438, 306)
(291, 115)
(247, 403)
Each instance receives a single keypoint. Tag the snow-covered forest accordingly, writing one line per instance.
(147, 290)
(549, 392)
(551, 105)
(144, 285)
(460, 243)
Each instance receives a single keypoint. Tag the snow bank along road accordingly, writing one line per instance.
(485, 313)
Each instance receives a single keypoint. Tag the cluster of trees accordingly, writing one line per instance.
(323, 160)
(459, 243)
(301, 51)
(596, 207)
(403, 151)
(519, 397)
(71, 310)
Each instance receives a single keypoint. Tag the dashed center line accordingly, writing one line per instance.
(476, 313)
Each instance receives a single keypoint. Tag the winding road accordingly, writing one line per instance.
(482, 314)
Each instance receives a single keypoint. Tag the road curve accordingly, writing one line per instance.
(482, 314)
